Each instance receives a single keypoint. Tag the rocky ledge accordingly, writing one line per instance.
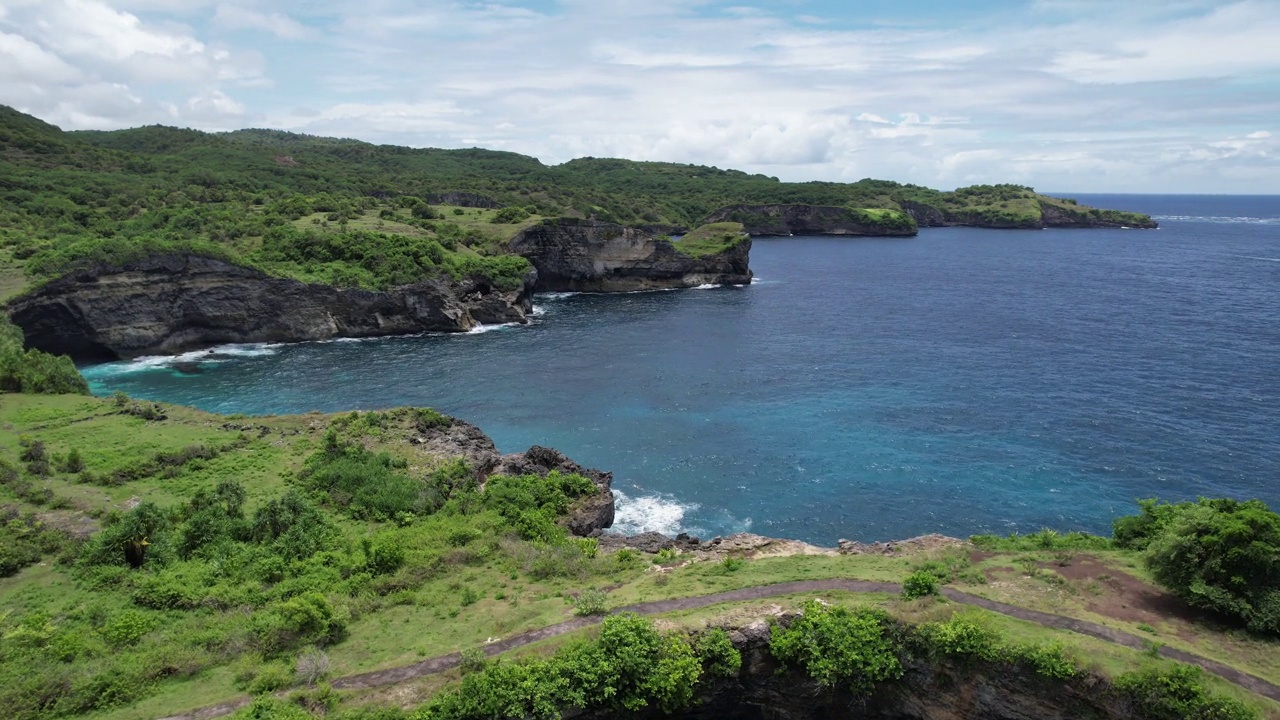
(588, 516)
(573, 255)
(174, 303)
(781, 220)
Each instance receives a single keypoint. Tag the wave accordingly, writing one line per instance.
(556, 295)
(1223, 219)
(707, 286)
(1255, 257)
(217, 354)
(481, 329)
(650, 513)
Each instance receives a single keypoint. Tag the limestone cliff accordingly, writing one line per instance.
(592, 256)
(170, 304)
(814, 220)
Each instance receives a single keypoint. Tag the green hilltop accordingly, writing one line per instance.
(352, 213)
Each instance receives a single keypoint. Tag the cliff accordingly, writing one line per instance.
(592, 256)
(173, 303)
(942, 689)
(815, 220)
(1024, 211)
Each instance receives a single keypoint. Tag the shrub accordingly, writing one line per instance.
(838, 646)
(919, 584)
(1220, 555)
(127, 628)
(590, 602)
(1179, 693)
(270, 678)
(718, 655)
(312, 666)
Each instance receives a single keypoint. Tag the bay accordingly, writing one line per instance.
(963, 381)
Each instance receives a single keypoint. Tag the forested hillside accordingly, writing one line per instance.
(350, 213)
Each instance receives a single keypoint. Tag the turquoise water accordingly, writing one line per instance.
(963, 381)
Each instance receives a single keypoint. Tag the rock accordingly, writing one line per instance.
(808, 220)
(932, 541)
(173, 303)
(588, 515)
(924, 215)
(591, 256)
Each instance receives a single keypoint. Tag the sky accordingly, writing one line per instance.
(1069, 95)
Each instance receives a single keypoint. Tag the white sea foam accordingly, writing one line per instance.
(707, 286)
(1227, 219)
(220, 353)
(481, 329)
(1255, 257)
(538, 311)
(649, 513)
(556, 295)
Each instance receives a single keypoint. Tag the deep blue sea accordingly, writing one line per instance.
(963, 381)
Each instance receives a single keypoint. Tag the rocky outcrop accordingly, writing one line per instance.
(1052, 215)
(928, 690)
(174, 303)
(588, 516)
(591, 256)
(812, 220)
(1075, 216)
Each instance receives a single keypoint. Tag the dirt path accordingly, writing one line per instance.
(434, 665)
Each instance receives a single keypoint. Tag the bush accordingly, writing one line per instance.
(718, 655)
(127, 628)
(919, 584)
(1220, 555)
(312, 666)
(1179, 693)
(590, 602)
(629, 667)
(33, 371)
(837, 646)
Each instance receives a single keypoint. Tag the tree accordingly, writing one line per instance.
(1220, 555)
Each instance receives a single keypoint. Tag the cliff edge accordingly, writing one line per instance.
(573, 255)
(174, 303)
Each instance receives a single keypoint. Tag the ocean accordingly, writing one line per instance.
(963, 381)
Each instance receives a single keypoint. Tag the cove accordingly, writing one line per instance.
(963, 381)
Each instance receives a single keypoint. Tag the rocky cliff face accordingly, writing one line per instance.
(170, 304)
(592, 256)
(587, 517)
(927, 691)
(807, 220)
(1051, 215)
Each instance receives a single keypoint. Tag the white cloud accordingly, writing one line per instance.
(278, 24)
(1066, 94)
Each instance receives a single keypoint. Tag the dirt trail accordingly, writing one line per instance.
(434, 665)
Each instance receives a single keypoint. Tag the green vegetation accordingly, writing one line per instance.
(33, 371)
(1220, 555)
(629, 667)
(839, 647)
(353, 214)
(711, 239)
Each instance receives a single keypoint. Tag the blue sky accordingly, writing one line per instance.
(1071, 95)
